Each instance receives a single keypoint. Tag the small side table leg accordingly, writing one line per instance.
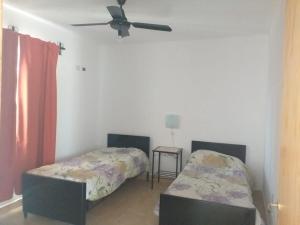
(152, 175)
(176, 164)
(158, 175)
(180, 161)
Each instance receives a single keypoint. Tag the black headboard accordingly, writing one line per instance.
(238, 151)
(127, 141)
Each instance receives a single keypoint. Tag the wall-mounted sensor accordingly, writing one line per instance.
(80, 68)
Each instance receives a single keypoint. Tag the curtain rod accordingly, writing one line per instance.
(60, 44)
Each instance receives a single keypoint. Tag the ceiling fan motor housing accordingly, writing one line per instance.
(117, 24)
(121, 2)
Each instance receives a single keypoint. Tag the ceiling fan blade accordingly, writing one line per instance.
(115, 11)
(150, 26)
(89, 24)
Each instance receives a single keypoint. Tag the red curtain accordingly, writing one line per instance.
(8, 113)
(36, 105)
(28, 108)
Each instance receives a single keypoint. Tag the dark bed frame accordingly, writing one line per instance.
(176, 210)
(66, 200)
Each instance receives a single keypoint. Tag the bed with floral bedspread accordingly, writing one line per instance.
(214, 177)
(103, 170)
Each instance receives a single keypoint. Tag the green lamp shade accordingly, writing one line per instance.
(172, 121)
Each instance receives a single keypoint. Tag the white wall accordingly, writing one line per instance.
(274, 98)
(217, 86)
(77, 91)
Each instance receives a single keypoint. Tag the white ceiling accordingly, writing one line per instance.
(190, 19)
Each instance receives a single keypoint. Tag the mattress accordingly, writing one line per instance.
(102, 170)
(215, 177)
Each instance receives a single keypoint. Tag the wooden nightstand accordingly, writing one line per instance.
(168, 174)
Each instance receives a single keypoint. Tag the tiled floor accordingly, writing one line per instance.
(132, 204)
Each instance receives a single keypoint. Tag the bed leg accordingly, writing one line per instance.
(81, 224)
(25, 214)
(147, 176)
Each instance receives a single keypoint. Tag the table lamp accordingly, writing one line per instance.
(172, 122)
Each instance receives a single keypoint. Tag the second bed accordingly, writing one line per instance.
(214, 188)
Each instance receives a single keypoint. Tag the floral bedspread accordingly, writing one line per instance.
(102, 170)
(215, 177)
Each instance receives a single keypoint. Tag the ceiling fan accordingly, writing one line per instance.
(122, 25)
